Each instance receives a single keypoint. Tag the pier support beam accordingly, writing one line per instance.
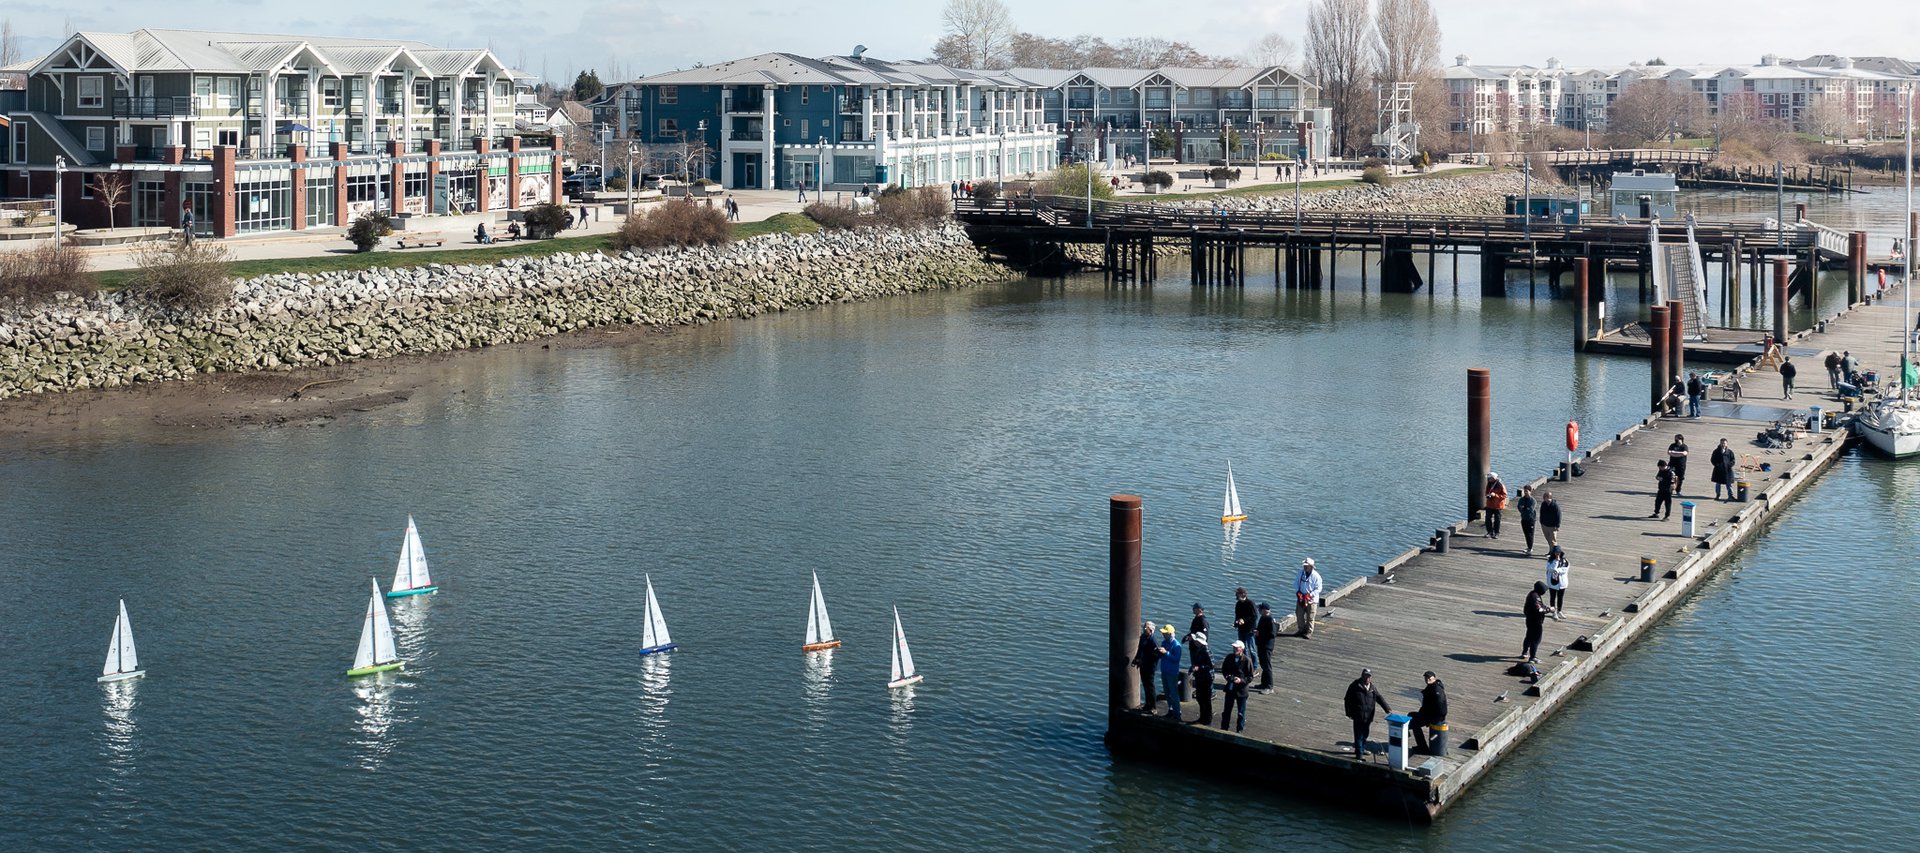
(1123, 622)
(1582, 323)
(1661, 349)
(1479, 437)
(1856, 265)
(1780, 302)
(1677, 337)
(1735, 262)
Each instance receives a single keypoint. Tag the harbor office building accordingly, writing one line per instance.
(1193, 113)
(256, 133)
(782, 121)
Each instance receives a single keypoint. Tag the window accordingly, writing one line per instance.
(90, 92)
(804, 92)
(96, 139)
(230, 136)
(416, 185)
(369, 188)
(422, 93)
(263, 205)
(669, 126)
(202, 139)
(669, 94)
(149, 204)
(804, 135)
(86, 187)
(330, 93)
(203, 92)
(226, 91)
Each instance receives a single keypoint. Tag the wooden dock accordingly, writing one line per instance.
(1459, 613)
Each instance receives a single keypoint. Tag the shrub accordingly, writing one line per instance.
(674, 224)
(832, 216)
(617, 184)
(986, 192)
(1157, 178)
(1071, 181)
(31, 212)
(1270, 156)
(915, 208)
(368, 228)
(1376, 175)
(1371, 162)
(703, 183)
(545, 220)
(34, 274)
(190, 276)
(1222, 173)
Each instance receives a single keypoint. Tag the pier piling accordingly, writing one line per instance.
(1661, 350)
(1479, 437)
(1677, 336)
(1123, 624)
(1582, 323)
(1780, 301)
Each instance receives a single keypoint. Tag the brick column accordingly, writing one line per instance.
(298, 154)
(482, 186)
(338, 151)
(433, 171)
(123, 154)
(554, 191)
(176, 194)
(223, 159)
(395, 148)
(513, 173)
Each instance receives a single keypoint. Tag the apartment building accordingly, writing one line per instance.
(271, 132)
(1114, 111)
(779, 120)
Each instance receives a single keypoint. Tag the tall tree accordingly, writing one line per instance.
(587, 86)
(1339, 52)
(981, 32)
(1272, 49)
(9, 43)
(1407, 50)
(1649, 110)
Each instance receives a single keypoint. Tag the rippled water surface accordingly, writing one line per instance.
(949, 454)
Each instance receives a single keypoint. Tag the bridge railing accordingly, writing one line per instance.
(1832, 241)
(1592, 156)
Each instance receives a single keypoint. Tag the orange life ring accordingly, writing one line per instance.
(1573, 436)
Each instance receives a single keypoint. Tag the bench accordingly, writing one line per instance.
(415, 241)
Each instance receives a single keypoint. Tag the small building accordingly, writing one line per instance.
(1640, 194)
(1564, 209)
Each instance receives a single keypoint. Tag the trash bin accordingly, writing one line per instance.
(1397, 725)
(1743, 490)
(1441, 537)
(1686, 518)
(1816, 420)
(1646, 569)
(1437, 738)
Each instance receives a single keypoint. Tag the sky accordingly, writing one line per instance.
(555, 38)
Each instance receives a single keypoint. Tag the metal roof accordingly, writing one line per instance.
(202, 50)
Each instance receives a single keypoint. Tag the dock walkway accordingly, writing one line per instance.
(1459, 613)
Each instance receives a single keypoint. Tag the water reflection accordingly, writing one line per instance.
(409, 618)
(1231, 540)
(817, 678)
(900, 720)
(655, 691)
(118, 737)
(376, 714)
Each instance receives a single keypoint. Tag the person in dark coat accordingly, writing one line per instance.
(1535, 609)
(1199, 623)
(1237, 669)
(1696, 394)
(1677, 460)
(1146, 658)
(1200, 676)
(1723, 460)
(1550, 518)
(1662, 491)
(1529, 510)
(1243, 616)
(1362, 698)
(1787, 372)
(1433, 710)
(1264, 633)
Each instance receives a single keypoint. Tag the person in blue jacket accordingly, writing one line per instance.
(1170, 670)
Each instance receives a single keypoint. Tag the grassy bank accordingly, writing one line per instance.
(1309, 186)
(780, 223)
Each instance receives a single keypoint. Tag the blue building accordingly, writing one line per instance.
(778, 120)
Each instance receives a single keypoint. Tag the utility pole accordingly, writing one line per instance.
(59, 193)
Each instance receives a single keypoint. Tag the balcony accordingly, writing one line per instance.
(290, 106)
(1277, 104)
(852, 106)
(167, 107)
(746, 105)
(387, 108)
(755, 135)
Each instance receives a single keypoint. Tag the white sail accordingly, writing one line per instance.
(1230, 507)
(819, 627)
(376, 635)
(654, 633)
(363, 656)
(411, 573)
(121, 657)
(902, 658)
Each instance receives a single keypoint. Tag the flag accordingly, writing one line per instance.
(1909, 373)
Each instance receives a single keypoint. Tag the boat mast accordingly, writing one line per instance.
(1906, 243)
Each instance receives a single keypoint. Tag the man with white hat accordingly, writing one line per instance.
(1237, 669)
(1306, 594)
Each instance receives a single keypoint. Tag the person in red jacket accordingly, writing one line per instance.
(1496, 504)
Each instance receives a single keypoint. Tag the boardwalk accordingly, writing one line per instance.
(1459, 613)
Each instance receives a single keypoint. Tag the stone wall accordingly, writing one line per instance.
(1467, 195)
(284, 321)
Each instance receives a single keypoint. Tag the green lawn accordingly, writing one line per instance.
(1306, 186)
(780, 223)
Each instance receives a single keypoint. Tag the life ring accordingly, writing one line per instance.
(1573, 436)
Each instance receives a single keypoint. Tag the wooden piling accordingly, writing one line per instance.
(1780, 301)
(1677, 336)
(1123, 622)
(1661, 350)
(1479, 437)
(1856, 264)
(1582, 329)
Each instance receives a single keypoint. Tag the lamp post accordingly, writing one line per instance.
(1087, 163)
(1299, 163)
(633, 148)
(59, 185)
(1146, 143)
(1226, 142)
(1526, 212)
(1259, 150)
(820, 172)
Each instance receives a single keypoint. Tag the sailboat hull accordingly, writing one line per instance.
(905, 682)
(121, 676)
(403, 593)
(1899, 445)
(370, 670)
(657, 649)
(1229, 519)
(820, 647)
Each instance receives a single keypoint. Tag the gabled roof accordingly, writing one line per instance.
(200, 50)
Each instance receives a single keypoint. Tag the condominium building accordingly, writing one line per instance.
(1113, 111)
(271, 132)
(779, 120)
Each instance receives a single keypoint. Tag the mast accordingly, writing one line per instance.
(1906, 268)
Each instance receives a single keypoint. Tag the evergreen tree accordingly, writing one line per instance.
(587, 86)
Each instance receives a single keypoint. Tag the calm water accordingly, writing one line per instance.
(949, 454)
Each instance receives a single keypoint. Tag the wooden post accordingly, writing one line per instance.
(1735, 261)
(1677, 336)
(1780, 302)
(1479, 437)
(1856, 265)
(1658, 328)
(1582, 331)
(1123, 621)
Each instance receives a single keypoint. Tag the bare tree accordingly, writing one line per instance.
(1651, 109)
(1407, 50)
(110, 189)
(9, 44)
(1339, 42)
(1272, 49)
(982, 31)
(1829, 118)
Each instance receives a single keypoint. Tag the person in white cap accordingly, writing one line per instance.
(1237, 669)
(1306, 594)
(1496, 504)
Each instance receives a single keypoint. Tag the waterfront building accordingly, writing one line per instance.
(779, 120)
(1107, 113)
(271, 132)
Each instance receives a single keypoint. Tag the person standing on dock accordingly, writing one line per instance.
(1306, 595)
(1200, 677)
(1146, 658)
(1696, 394)
(1848, 366)
(1662, 492)
(1529, 509)
(1433, 710)
(1170, 670)
(1264, 633)
(1237, 669)
(1496, 504)
(1723, 461)
(1535, 610)
(1677, 461)
(1557, 570)
(1243, 616)
(1550, 518)
(1198, 627)
(1787, 372)
(1362, 698)
(1833, 370)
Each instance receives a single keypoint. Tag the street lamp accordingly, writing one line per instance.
(633, 150)
(1526, 213)
(1226, 142)
(820, 172)
(1299, 162)
(59, 184)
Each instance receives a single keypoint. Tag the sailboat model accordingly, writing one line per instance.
(376, 653)
(903, 671)
(1230, 511)
(122, 661)
(819, 628)
(1892, 425)
(653, 635)
(411, 577)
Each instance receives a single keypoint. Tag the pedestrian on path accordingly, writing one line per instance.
(186, 224)
(1237, 669)
(1662, 492)
(1263, 636)
(1557, 571)
(1787, 372)
(953, 190)
(1848, 365)
(1433, 710)
(1306, 595)
(1677, 460)
(1550, 518)
(1146, 658)
(1535, 610)
(1496, 504)
(803, 193)
(1200, 677)
(1529, 514)
(1362, 698)
(1723, 461)
(1244, 618)
(1170, 670)
(1696, 394)
(1833, 370)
